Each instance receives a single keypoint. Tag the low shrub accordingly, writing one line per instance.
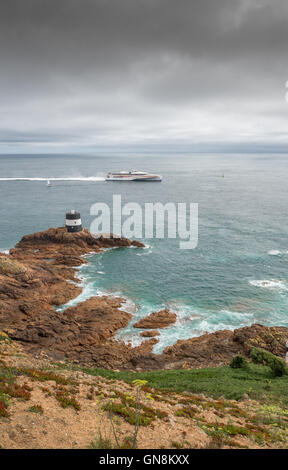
(36, 409)
(3, 409)
(101, 443)
(4, 337)
(66, 400)
(239, 362)
(260, 356)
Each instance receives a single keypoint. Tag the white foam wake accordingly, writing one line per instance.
(274, 252)
(273, 284)
(69, 178)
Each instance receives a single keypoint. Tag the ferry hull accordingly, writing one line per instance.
(132, 175)
(158, 178)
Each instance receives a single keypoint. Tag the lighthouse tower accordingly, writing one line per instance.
(73, 221)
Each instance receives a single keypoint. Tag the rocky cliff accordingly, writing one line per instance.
(39, 274)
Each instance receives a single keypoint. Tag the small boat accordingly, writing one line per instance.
(48, 184)
(133, 175)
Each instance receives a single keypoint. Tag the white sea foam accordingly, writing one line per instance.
(277, 252)
(86, 293)
(69, 178)
(90, 290)
(201, 324)
(274, 252)
(145, 253)
(88, 255)
(75, 283)
(128, 306)
(6, 252)
(273, 284)
(191, 320)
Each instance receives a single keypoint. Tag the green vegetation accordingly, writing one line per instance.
(3, 407)
(101, 442)
(256, 382)
(235, 430)
(10, 389)
(36, 409)
(64, 397)
(128, 413)
(132, 410)
(177, 445)
(222, 434)
(239, 362)
(104, 442)
(4, 337)
(260, 356)
(187, 412)
(42, 375)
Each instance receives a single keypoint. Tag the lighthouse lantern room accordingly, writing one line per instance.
(73, 221)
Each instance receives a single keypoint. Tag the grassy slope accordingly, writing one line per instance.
(263, 421)
(257, 381)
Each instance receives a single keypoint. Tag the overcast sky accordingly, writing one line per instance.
(146, 74)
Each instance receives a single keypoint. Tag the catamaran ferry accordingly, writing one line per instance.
(133, 175)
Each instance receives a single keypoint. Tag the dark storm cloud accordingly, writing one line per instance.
(143, 71)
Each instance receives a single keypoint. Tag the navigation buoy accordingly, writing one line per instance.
(73, 221)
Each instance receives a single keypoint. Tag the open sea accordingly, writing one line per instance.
(236, 276)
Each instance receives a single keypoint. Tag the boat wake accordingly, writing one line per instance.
(70, 178)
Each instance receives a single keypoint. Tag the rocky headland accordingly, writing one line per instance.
(40, 274)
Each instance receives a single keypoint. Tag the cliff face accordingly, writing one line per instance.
(34, 279)
(36, 276)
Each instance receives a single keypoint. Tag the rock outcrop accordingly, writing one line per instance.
(215, 349)
(159, 319)
(34, 279)
(149, 334)
(39, 274)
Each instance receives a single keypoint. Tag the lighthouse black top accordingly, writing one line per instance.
(73, 221)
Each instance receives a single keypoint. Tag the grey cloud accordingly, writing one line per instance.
(126, 71)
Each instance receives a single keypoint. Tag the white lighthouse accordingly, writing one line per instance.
(73, 221)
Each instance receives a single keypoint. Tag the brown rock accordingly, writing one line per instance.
(215, 349)
(14, 269)
(145, 347)
(159, 319)
(149, 334)
(33, 279)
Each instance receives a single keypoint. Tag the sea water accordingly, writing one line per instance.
(236, 276)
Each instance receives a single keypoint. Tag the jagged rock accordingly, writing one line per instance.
(33, 279)
(159, 319)
(12, 268)
(149, 334)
